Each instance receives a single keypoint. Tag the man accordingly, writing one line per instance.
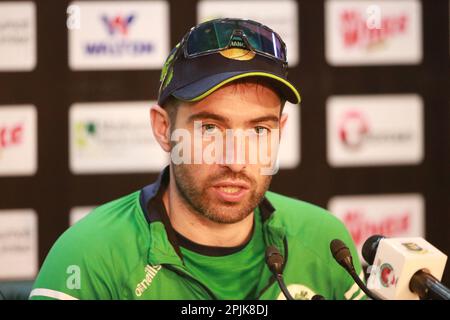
(202, 229)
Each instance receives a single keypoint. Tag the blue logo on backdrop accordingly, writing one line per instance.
(118, 43)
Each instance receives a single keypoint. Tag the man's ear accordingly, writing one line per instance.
(160, 122)
(283, 121)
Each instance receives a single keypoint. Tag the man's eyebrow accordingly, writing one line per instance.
(264, 119)
(207, 115)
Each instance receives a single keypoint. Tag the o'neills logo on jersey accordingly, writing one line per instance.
(355, 31)
(354, 131)
(150, 273)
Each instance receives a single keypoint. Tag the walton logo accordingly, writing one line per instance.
(361, 228)
(353, 129)
(118, 24)
(355, 31)
(11, 136)
(119, 44)
(150, 273)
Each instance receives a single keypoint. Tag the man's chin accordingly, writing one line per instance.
(226, 212)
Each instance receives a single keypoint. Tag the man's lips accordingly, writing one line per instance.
(231, 191)
(232, 184)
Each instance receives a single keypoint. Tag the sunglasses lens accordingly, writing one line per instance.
(216, 35)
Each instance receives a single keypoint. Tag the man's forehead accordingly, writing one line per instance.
(238, 99)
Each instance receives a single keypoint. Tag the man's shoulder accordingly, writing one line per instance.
(109, 221)
(106, 244)
(107, 232)
(306, 220)
(300, 211)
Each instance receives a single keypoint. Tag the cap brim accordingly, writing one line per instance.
(204, 87)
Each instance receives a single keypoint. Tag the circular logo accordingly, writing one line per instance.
(353, 129)
(387, 275)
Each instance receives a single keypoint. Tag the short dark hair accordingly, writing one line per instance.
(171, 105)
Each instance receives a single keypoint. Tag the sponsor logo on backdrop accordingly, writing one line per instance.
(112, 35)
(11, 136)
(374, 130)
(18, 140)
(364, 32)
(113, 138)
(279, 15)
(355, 131)
(118, 24)
(17, 36)
(119, 43)
(356, 33)
(388, 215)
(18, 244)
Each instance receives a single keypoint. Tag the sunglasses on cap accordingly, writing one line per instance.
(220, 34)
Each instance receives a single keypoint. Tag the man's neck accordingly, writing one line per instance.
(202, 230)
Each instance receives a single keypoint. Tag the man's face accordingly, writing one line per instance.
(227, 192)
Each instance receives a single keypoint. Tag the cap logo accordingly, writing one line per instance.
(238, 54)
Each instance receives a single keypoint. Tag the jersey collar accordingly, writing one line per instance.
(164, 247)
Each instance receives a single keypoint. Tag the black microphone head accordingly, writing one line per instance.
(274, 260)
(369, 249)
(341, 253)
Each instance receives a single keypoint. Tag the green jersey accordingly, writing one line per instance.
(231, 273)
(127, 249)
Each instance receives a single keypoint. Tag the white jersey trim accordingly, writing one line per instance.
(51, 294)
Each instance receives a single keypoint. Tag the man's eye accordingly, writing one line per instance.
(261, 130)
(209, 128)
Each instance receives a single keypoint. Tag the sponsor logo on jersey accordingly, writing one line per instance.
(150, 273)
(298, 292)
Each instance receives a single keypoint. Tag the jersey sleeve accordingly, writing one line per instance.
(74, 269)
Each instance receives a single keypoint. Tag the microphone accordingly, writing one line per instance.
(341, 253)
(405, 268)
(275, 262)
